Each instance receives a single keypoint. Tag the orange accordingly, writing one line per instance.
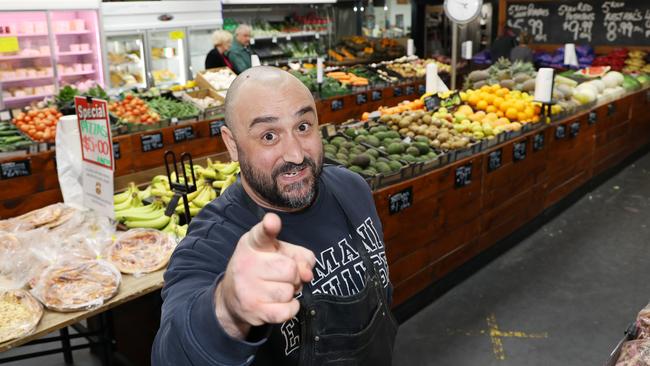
(489, 98)
(511, 113)
(497, 102)
(482, 105)
(501, 92)
(499, 113)
(485, 88)
(473, 99)
(529, 112)
(505, 106)
(491, 109)
(492, 116)
(520, 106)
(521, 116)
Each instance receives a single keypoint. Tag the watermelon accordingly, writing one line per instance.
(630, 83)
(593, 72)
(644, 79)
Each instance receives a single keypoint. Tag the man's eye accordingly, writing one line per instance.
(268, 137)
(304, 127)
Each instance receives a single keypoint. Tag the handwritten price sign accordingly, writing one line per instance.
(95, 132)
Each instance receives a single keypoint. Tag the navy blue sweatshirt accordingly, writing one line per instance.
(190, 333)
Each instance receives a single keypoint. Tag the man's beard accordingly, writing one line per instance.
(267, 186)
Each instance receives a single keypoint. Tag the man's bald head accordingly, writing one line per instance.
(268, 77)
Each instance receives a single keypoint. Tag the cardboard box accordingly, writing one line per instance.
(203, 83)
(210, 112)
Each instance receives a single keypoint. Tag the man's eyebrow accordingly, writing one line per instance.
(263, 119)
(304, 110)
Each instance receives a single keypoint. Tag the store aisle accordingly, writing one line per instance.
(563, 296)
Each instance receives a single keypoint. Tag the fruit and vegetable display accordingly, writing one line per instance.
(172, 108)
(11, 139)
(348, 78)
(414, 67)
(38, 124)
(500, 102)
(131, 208)
(133, 110)
(204, 102)
(358, 49)
(636, 63)
(512, 75)
(361, 153)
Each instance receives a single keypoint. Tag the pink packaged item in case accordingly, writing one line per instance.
(26, 28)
(78, 25)
(74, 47)
(84, 47)
(21, 73)
(78, 67)
(88, 67)
(40, 27)
(44, 50)
(31, 73)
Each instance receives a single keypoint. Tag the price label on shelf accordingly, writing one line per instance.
(519, 151)
(9, 44)
(400, 200)
(337, 104)
(288, 37)
(538, 142)
(376, 95)
(116, 151)
(494, 160)
(574, 129)
(97, 155)
(274, 39)
(592, 118)
(5, 115)
(463, 175)
(410, 89)
(397, 91)
(421, 89)
(252, 41)
(176, 35)
(15, 169)
(317, 35)
(560, 132)
(152, 141)
(362, 98)
(215, 128)
(184, 134)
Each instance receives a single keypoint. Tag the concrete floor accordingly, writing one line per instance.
(563, 296)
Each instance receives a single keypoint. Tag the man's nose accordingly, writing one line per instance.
(293, 152)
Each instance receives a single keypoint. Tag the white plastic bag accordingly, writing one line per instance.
(68, 161)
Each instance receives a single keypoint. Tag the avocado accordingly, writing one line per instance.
(362, 131)
(341, 156)
(393, 134)
(432, 155)
(358, 149)
(381, 135)
(337, 141)
(348, 144)
(382, 167)
(408, 158)
(370, 171)
(362, 160)
(382, 159)
(394, 156)
(373, 152)
(359, 139)
(372, 140)
(394, 165)
(413, 151)
(343, 150)
(376, 129)
(351, 132)
(329, 155)
(422, 147)
(395, 148)
(355, 168)
(423, 139)
(330, 149)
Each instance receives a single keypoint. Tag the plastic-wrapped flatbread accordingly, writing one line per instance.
(141, 251)
(20, 313)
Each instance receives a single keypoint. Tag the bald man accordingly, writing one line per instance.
(287, 267)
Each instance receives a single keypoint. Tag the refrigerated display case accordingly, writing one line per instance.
(168, 61)
(126, 62)
(46, 45)
(173, 38)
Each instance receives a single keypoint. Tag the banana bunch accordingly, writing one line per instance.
(128, 199)
(174, 228)
(150, 216)
(198, 199)
(226, 174)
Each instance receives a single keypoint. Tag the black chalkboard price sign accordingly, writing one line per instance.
(117, 154)
(215, 128)
(397, 91)
(362, 98)
(595, 22)
(151, 142)
(15, 169)
(519, 151)
(336, 104)
(560, 132)
(538, 142)
(494, 160)
(463, 175)
(400, 200)
(375, 95)
(410, 90)
(592, 118)
(184, 134)
(422, 89)
(574, 129)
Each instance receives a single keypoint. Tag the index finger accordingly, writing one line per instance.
(264, 234)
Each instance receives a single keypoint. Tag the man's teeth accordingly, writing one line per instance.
(292, 174)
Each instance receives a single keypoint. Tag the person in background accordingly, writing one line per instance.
(240, 53)
(222, 41)
(523, 51)
(503, 44)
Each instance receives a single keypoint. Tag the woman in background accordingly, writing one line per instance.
(222, 40)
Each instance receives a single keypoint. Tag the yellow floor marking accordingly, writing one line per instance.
(496, 335)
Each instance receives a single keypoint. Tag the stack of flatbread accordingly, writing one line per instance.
(19, 314)
(48, 217)
(139, 251)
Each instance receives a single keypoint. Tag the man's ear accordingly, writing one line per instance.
(229, 140)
